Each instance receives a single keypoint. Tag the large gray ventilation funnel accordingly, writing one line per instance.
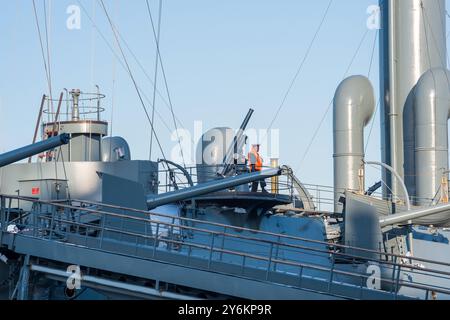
(354, 105)
(432, 111)
(412, 41)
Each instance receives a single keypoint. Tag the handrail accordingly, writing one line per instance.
(265, 233)
(261, 258)
(248, 255)
(322, 196)
(271, 261)
(380, 253)
(351, 257)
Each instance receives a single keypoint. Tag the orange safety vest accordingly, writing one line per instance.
(259, 160)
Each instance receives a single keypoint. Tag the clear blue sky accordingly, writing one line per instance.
(221, 57)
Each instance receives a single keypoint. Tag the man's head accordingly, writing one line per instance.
(256, 147)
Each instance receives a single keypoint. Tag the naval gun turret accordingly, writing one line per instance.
(33, 149)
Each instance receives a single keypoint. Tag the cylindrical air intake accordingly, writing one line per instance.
(354, 105)
(412, 40)
(211, 152)
(432, 110)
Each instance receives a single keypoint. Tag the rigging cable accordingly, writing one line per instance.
(47, 75)
(443, 26)
(93, 49)
(122, 64)
(379, 101)
(113, 93)
(47, 38)
(316, 132)
(300, 68)
(133, 79)
(443, 59)
(386, 185)
(174, 118)
(155, 81)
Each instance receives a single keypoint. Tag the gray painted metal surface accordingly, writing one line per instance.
(211, 151)
(431, 112)
(83, 179)
(115, 149)
(412, 40)
(362, 228)
(85, 144)
(354, 104)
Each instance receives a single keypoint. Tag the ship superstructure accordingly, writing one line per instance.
(85, 221)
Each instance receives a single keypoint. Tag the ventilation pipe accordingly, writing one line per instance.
(76, 101)
(412, 41)
(354, 105)
(432, 111)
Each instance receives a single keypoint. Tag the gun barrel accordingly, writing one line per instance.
(210, 187)
(33, 149)
(237, 144)
(413, 215)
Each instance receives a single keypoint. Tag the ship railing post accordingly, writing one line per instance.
(67, 223)
(223, 242)
(103, 217)
(78, 224)
(361, 287)
(155, 244)
(211, 250)
(300, 276)
(397, 282)
(269, 261)
(37, 209)
(277, 252)
(318, 197)
(52, 221)
(171, 245)
(136, 245)
(86, 226)
(244, 257)
(122, 224)
(394, 258)
(2, 212)
(189, 255)
(333, 262)
(146, 232)
(24, 279)
(8, 215)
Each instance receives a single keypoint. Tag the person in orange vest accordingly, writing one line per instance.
(255, 163)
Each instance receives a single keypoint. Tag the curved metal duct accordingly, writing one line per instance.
(412, 41)
(115, 149)
(432, 111)
(354, 105)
